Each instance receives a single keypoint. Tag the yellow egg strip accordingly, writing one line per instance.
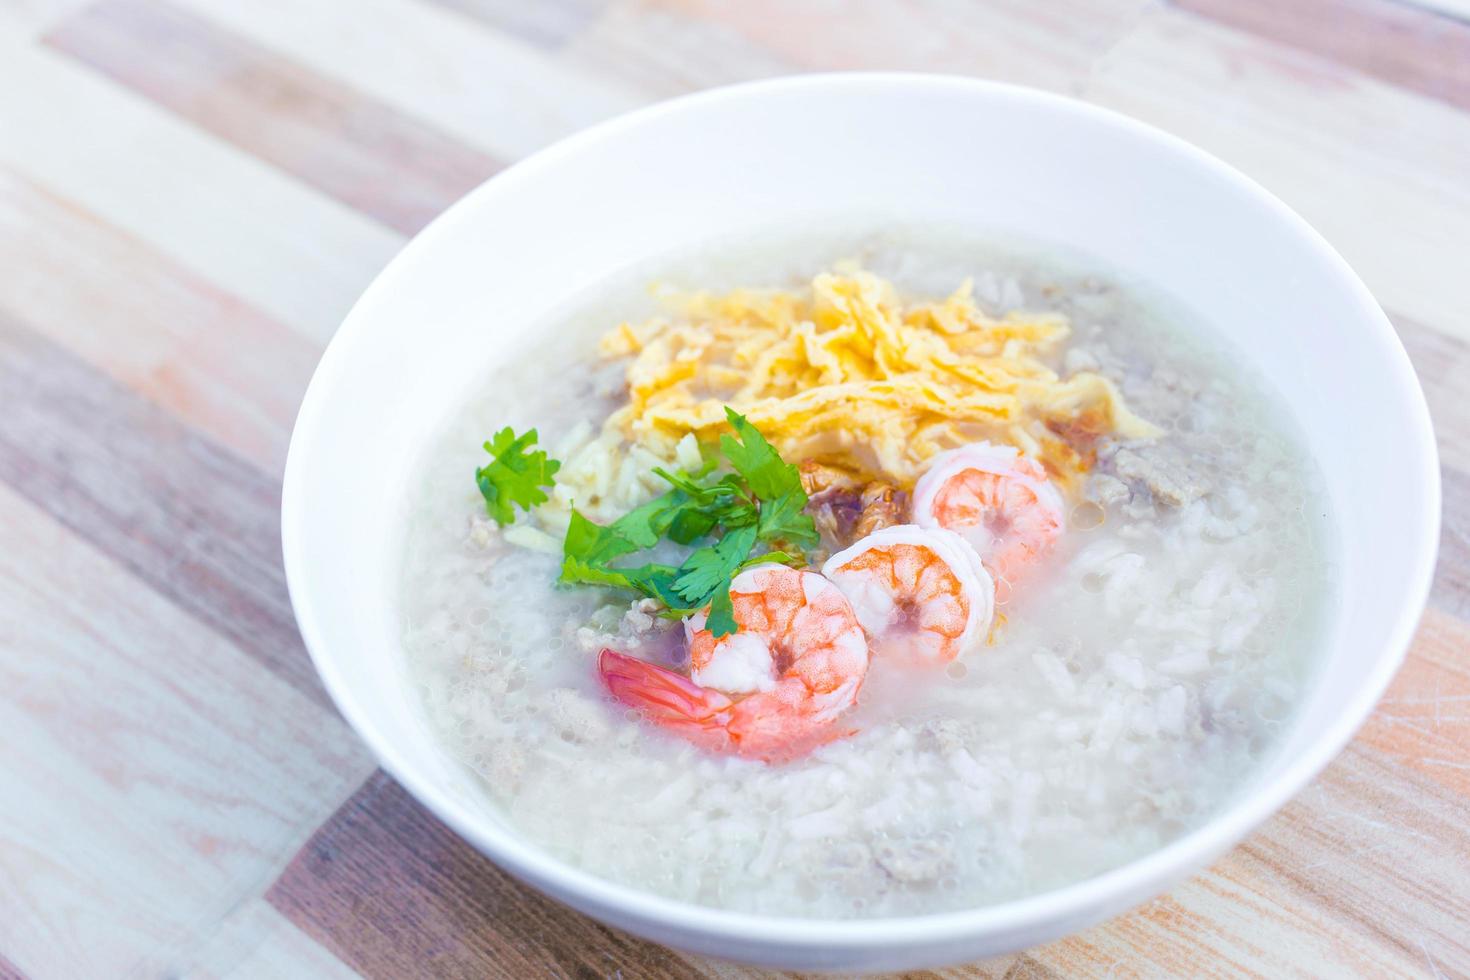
(850, 373)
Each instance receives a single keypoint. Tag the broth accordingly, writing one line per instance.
(1135, 686)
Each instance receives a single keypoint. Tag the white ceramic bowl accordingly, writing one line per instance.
(731, 160)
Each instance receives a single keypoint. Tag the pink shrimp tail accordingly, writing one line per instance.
(666, 698)
(707, 717)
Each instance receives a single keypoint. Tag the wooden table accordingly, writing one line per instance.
(192, 192)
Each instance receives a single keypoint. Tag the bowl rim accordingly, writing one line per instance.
(1143, 875)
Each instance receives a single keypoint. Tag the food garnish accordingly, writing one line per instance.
(753, 512)
(850, 370)
(515, 475)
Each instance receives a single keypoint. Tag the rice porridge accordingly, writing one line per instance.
(1134, 617)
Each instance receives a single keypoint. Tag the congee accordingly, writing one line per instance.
(880, 573)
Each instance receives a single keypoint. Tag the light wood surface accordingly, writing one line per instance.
(192, 193)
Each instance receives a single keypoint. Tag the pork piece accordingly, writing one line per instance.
(845, 508)
(1166, 477)
(575, 717)
(639, 629)
(483, 532)
(882, 506)
(914, 861)
(507, 766)
(1107, 490)
(818, 477)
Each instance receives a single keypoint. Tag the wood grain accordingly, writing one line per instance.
(394, 893)
(1442, 363)
(199, 353)
(366, 155)
(1052, 45)
(176, 187)
(1423, 722)
(193, 192)
(493, 92)
(1342, 148)
(1452, 580)
(30, 18)
(659, 51)
(549, 25)
(257, 943)
(154, 775)
(1386, 848)
(1398, 43)
(192, 520)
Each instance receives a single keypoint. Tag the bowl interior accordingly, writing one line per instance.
(1004, 160)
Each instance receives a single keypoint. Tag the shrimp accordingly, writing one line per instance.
(921, 593)
(998, 500)
(772, 690)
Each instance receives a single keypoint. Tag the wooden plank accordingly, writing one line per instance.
(367, 155)
(1452, 577)
(31, 18)
(1378, 170)
(155, 777)
(232, 219)
(194, 521)
(547, 25)
(1358, 876)
(1024, 968)
(394, 893)
(1424, 719)
(665, 51)
(1394, 42)
(209, 359)
(1363, 806)
(258, 943)
(502, 95)
(1442, 362)
(1366, 876)
(1052, 45)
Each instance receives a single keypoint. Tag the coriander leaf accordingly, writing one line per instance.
(577, 571)
(686, 512)
(691, 524)
(721, 619)
(657, 581)
(592, 544)
(785, 519)
(757, 461)
(514, 476)
(771, 557)
(708, 570)
(589, 547)
(643, 526)
(741, 510)
(762, 501)
(689, 483)
(726, 502)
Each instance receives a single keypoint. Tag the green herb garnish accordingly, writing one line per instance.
(514, 476)
(758, 506)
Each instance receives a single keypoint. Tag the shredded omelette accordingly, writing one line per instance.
(851, 373)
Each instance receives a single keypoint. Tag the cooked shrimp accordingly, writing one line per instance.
(921, 593)
(772, 690)
(996, 499)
